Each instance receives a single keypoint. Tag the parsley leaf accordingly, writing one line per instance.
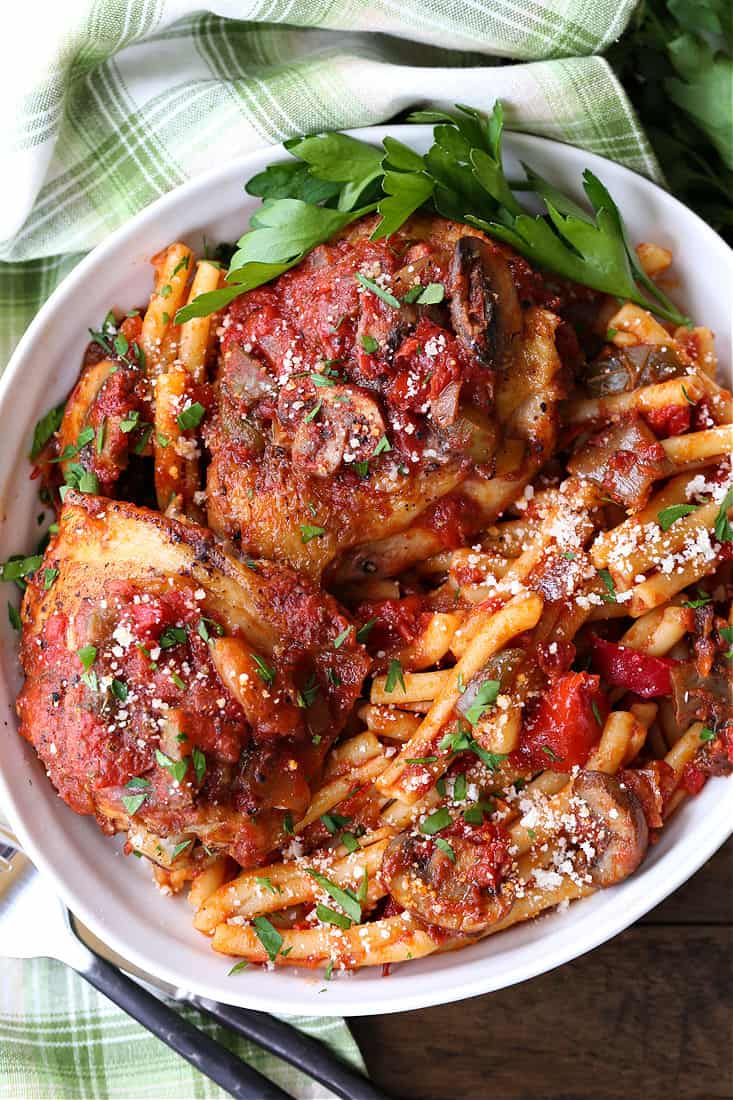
(191, 416)
(344, 898)
(45, 428)
(486, 696)
(394, 676)
(380, 292)
(669, 515)
(433, 823)
(265, 672)
(330, 916)
(268, 936)
(309, 531)
(445, 847)
(609, 596)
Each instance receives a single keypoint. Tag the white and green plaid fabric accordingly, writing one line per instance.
(113, 103)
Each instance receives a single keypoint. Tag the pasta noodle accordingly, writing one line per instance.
(358, 753)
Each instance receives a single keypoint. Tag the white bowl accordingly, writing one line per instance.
(113, 894)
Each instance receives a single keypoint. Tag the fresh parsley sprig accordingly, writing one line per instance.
(335, 179)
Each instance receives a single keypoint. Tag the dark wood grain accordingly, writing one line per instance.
(647, 1016)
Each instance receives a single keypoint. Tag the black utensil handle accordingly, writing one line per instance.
(292, 1046)
(202, 1052)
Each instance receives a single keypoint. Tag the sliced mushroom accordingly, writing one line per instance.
(620, 834)
(441, 889)
(348, 424)
(484, 307)
(244, 378)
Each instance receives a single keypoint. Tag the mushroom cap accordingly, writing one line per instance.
(485, 309)
(622, 835)
(444, 891)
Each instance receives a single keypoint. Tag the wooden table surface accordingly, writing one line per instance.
(644, 1017)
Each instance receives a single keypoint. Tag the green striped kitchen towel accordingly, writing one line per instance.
(108, 104)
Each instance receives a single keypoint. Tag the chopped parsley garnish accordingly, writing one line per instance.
(178, 681)
(395, 676)
(369, 344)
(206, 627)
(686, 395)
(706, 734)
(364, 631)
(180, 848)
(333, 822)
(99, 438)
(306, 696)
(609, 596)
(288, 824)
(49, 576)
(120, 690)
(436, 821)
(199, 763)
(382, 446)
(723, 529)
(90, 679)
(459, 788)
(14, 617)
(569, 555)
(190, 417)
(328, 971)
(380, 292)
(265, 672)
(461, 740)
(341, 638)
(16, 568)
(668, 516)
(349, 841)
(238, 967)
(45, 428)
(703, 599)
(121, 344)
(333, 677)
(166, 291)
(85, 481)
(362, 469)
(172, 636)
(421, 760)
(163, 440)
(130, 422)
(265, 881)
(146, 430)
(268, 936)
(321, 380)
(445, 847)
(180, 266)
(596, 712)
(726, 633)
(133, 802)
(327, 915)
(431, 295)
(550, 752)
(313, 412)
(345, 898)
(176, 768)
(486, 696)
(308, 531)
(87, 655)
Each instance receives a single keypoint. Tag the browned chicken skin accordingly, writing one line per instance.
(174, 688)
(348, 412)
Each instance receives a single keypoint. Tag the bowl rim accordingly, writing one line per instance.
(654, 883)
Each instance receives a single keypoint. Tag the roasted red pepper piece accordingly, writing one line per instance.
(641, 673)
(565, 725)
